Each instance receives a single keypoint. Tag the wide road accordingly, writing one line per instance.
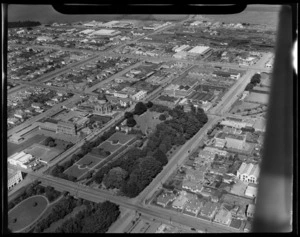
(96, 195)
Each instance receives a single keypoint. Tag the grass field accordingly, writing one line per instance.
(147, 120)
(13, 148)
(26, 213)
(257, 98)
(75, 171)
(43, 152)
(107, 146)
(121, 137)
(89, 160)
(241, 106)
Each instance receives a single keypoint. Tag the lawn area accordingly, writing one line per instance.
(26, 212)
(121, 137)
(257, 98)
(96, 117)
(107, 146)
(147, 121)
(242, 106)
(75, 171)
(13, 148)
(89, 160)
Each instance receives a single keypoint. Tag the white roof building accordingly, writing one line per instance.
(87, 31)
(181, 48)
(251, 190)
(180, 201)
(248, 173)
(199, 50)
(106, 32)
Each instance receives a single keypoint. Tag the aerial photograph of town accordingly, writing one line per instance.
(136, 123)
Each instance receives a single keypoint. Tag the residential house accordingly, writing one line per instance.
(165, 198)
(180, 200)
(209, 210)
(193, 205)
(36, 105)
(223, 216)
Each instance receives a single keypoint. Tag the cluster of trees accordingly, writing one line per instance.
(137, 168)
(58, 170)
(253, 82)
(94, 219)
(49, 141)
(18, 24)
(35, 189)
(59, 211)
(139, 109)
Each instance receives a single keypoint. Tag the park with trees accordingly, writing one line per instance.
(143, 165)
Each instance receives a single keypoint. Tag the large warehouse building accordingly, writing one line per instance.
(105, 32)
(200, 50)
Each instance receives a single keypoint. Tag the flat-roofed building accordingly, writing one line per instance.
(214, 151)
(235, 141)
(199, 50)
(20, 159)
(181, 48)
(250, 210)
(87, 31)
(251, 190)
(248, 173)
(140, 95)
(105, 32)
(14, 177)
(49, 126)
(68, 128)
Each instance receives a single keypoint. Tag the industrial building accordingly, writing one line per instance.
(140, 95)
(234, 141)
(14, 177)
(20, 159)
(87, 31)
(181, 48)
(66, 128)
(105, 32)
(201, 50)
(248, 173)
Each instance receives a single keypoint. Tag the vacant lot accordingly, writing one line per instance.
(241, 106)
(122, 138)
(257, 98)
(27, 212)
(89, 161)
(43, 152)
(75, 171)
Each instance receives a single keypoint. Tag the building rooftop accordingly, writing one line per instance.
(208, 208)
(11, 172)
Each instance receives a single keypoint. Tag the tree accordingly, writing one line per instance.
(140, 108)
(149, 104)
(255, 79)
(131, 122)
(160, 156)
(52, 144)
(249, 87)
(128, 115)
(115, 177)
(162, 117)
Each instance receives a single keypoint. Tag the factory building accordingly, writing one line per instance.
(66, 128)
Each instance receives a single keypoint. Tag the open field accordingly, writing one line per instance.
(257, 98)
(26, 213)
(241, 106)
(43, 152)
(75, 171)
(88, 161)
(107, 146)
(147, 120)
(122, 138)
(13, 148)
